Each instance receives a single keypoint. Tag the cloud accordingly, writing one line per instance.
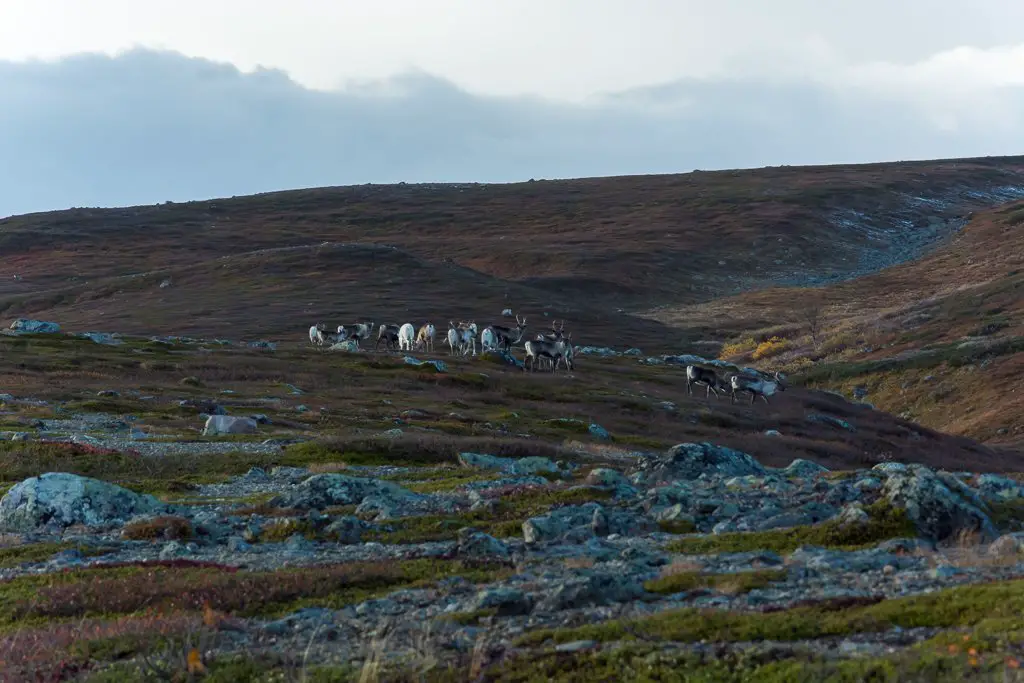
(147, 126)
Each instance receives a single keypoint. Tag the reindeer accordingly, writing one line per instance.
(555, 351)
(698, 375)
(425, 337)
(467, 336)
(557, 332)
(357, 331)
(488, 339)
(316, 335)
(507, 336)
(762, 386)
(406, 337)
(389, 335)
(454, 338)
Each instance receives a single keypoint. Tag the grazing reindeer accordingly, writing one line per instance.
(762, 387)
(406, 337)
(536, 349)
(557, 332)
(467, 337)
(507, 336)
(425, 337)
(316, 335)
(488, 339)
(453, 338)
(389, 335)
(698, 375)
(358, 331)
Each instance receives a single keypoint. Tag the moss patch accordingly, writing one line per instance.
(885, 522)
(739, 582)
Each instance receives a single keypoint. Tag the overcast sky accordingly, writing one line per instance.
(113, 102)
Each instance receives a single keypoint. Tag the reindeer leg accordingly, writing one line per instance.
(753, 397)
(765, 399)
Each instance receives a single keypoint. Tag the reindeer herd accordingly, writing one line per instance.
(551, 349)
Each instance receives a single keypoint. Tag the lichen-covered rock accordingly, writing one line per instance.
(804, 469)
(612, 480)
(229, 424)
(476, 545)
(347, 530)
(937, 510)
(598, 588)
(695, 460)
(577, 523)
(26, 325)
(324, 490)
(59, 499)
(522, 466)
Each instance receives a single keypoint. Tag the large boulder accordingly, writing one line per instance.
(229, 424)
(58, 499)
(35, 326)
(938, 510)
(694, 460)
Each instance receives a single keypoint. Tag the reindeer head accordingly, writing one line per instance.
(780, 380)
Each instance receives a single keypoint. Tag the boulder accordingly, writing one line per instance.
(804, 469)
(478, 546)
(34, 326)
(59, 499)
(694, 460)
(578, 523)
(325, 490)
(938, 511)
(229, 424)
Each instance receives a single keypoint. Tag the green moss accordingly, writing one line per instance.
(954, 607)
(885, 522)
(739, 582)
(41, 552)
(471, 618)
(1008, 515)
(677, 526)
(650, 663)
(504, 521)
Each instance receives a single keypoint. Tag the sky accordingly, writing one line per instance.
(119, 102)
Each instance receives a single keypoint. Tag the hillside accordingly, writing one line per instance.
(936, 340)
(630, 242)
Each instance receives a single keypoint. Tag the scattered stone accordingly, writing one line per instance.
(28, 326)
(325, 490)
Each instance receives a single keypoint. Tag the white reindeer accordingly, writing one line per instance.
(554, 351)
(453, 338)
(488, 340)
(316, 335)
(406, 337)
(762, 387)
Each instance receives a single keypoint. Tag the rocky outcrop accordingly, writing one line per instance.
(325, 490)
(698, 460)
(229, 424)
(59, 500)
(939, 508)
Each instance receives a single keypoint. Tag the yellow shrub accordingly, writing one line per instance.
(737, 348)
(771, 347)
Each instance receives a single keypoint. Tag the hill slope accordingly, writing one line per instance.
(937, 340)
(632, 242)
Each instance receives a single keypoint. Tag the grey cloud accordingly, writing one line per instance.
(147, 126)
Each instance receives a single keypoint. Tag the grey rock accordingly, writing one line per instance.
(690, 461)
(60, 499)
(507, 601)
(347, 530)
(476, 545)
(1007, 545)
(607, 478)
(577, 522)
(937, 511)
(325, 490)
(599, 432)
(804, 469)
(597, 588)
(830, 420)
(229, 424)
(237, 544)
(785, 520)
(854, 513)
